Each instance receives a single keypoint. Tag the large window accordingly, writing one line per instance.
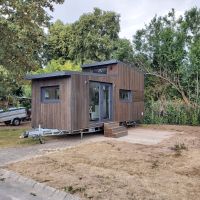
(125, 95)
(50, 94)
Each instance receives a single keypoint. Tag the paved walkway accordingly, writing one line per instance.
(16, 187)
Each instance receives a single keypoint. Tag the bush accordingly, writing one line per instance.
(171, 113)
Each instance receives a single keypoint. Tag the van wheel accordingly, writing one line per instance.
(16, 122)
(7, 122)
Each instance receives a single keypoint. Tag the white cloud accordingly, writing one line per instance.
(134, 13)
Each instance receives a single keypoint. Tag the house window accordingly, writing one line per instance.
(125, 95)
(102, 70)
(50, 94)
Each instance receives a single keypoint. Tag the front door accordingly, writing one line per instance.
(100, 101)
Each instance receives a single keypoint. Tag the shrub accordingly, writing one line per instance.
(174, 112)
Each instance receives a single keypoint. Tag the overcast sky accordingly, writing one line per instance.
(134, 13)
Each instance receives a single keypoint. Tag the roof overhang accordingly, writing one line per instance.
(60, 74)
(103, 63)
(48, 75)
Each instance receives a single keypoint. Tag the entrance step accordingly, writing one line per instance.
(111, 124)
(113, 129)
(120, 134)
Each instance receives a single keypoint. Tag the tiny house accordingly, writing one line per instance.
(108, 91)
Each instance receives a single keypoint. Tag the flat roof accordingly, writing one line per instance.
(47, 75)
(103, 63)
(60, 74)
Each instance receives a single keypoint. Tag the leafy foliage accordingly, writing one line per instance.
(167, 48)
(123, 50)
(8, 85)
(22, 39)
(59, 65)
(94, 35)
(22, 36)
(58, 41)
(171, 112)
(91, 38)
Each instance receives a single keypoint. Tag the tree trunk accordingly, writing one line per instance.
(184, 97)
(177, 87)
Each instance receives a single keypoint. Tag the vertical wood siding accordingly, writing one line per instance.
(80, 102)
(72, 112)
(52, 115)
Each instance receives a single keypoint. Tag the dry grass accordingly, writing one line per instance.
(120, 170)
(9, 136)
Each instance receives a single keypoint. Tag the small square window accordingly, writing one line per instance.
(50, 94)
(125, 95)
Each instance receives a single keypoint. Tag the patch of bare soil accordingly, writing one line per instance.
(119, 170)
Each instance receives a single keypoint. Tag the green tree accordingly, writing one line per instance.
(22, 34)
(59, 39)
(8, 83)
(94, 35)
(123, 50)
(59, 65)
(22, 37)
(167, 49)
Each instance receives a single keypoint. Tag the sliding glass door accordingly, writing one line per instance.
(100, 101)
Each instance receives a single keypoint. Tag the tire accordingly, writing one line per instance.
(16, 122)
(7, 123)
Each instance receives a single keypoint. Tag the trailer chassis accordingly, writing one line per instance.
(40, 133)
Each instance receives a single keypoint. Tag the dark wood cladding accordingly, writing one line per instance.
(122, 77)
(80, 102)
(129, 78)
(72, 111)
(52, 115)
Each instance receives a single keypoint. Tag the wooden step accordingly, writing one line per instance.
(119, 129)
(112, 129)
(120, 134)
(111, 124)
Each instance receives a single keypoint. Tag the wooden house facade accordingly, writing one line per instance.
(109, 91)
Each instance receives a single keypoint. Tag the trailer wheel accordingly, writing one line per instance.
(16, 122)
(7, 122)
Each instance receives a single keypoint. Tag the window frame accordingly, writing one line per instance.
(42, 90)
(95, 70)
(130, 96)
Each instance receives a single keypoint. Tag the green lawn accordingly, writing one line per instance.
(9, 137)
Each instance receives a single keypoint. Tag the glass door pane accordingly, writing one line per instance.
(100, 101)
(105, 100)
(94, 90)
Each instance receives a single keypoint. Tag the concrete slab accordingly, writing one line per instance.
(146, 136)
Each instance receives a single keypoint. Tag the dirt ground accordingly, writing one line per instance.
(113, 170)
